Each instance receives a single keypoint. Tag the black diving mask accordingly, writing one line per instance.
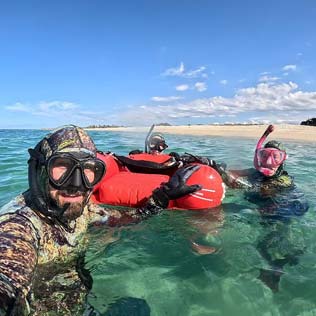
(158, 144)
(62, 167)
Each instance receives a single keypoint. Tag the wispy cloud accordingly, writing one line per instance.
(19, 107)
(182, 87)
(289, 67)
(223, 82)
(182, 72)
(43, 108)
(200, 86)
(166, 99)
(199, 72)
(47, 107)
(177, 71)
(267, 78)
(282, 99)
(62, 111)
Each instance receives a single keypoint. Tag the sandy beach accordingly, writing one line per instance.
(281, 132)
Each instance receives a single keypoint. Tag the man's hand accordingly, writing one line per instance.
(176, 187)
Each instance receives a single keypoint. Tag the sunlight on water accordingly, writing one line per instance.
(155, 261)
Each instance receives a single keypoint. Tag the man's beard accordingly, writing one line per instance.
(72, 210)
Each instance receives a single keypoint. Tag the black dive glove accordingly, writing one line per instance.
(135, 152)
(176, 156)
(189, 158)
(176, 187)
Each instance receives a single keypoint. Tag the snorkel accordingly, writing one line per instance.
(147, 138)
(266, 171)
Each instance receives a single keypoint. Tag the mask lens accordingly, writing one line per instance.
(59, 168)
(93, 171)
(271, 157)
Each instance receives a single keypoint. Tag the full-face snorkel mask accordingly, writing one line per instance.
(64, 160)
(269, 157)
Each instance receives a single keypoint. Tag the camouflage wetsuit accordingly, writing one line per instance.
(39, 260)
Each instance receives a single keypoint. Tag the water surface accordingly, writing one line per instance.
(154, 260)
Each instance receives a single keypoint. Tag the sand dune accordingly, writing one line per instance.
(281, 132)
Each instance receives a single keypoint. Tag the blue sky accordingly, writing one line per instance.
(143, 62)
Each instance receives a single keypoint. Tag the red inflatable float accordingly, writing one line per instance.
(129, 181)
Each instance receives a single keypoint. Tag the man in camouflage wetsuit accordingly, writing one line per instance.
(43, 231)
(273, 190)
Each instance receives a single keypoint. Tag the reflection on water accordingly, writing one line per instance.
(156, 262)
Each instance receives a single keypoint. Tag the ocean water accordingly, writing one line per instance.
(154, 260)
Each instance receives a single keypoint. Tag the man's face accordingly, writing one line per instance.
(71, 180)
(72, 196)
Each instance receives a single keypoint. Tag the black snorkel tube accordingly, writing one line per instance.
(147, 138)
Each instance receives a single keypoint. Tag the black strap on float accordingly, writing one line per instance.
(144, 166)
(147, 138)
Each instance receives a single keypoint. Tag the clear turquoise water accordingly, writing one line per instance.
(154, 259)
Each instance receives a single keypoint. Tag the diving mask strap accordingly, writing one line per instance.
(37, 197)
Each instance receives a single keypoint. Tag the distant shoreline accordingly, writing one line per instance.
(282, 131)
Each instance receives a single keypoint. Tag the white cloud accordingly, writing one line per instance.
(266, 78)
(200, 86)
(182, 87)
(289, 67)
(223, 82)
(181, 72)
(166, 99)
(282, 100)
(18, 107)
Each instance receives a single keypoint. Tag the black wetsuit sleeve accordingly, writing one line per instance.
(18, 258)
